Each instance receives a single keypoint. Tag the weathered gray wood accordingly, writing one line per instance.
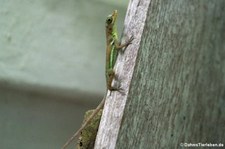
(177, 92)
(114, 105)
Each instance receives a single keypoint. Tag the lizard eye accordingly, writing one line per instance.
(109, 20)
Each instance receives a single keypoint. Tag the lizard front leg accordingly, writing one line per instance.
(120, 46)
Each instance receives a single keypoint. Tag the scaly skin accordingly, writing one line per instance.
(113, 46)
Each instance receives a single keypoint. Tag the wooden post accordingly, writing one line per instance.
(177, 67)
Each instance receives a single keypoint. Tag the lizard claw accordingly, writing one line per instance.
(120, 90)
(130, 40)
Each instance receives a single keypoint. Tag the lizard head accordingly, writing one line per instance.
(111, 20)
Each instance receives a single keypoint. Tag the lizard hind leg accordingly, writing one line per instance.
(110, 76)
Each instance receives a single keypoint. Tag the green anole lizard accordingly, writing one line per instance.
(112, 49)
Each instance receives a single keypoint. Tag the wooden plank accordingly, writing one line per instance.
(177, 92)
